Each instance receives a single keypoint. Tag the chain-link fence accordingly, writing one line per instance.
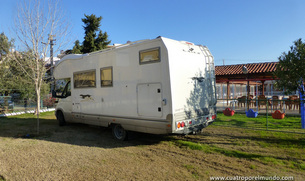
(286, 105)
(11, 104)
(268, 113)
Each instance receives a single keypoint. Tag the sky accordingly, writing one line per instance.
(235, 31)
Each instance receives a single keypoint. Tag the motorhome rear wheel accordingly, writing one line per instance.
(119, 132)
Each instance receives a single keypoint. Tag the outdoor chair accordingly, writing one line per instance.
(292, 102)
(275, 102)
(295, 102)
(241, 100)
(262, 101)
(288, 103)
(251, 100)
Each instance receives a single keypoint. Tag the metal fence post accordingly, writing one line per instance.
(267, 112)
(302, 106)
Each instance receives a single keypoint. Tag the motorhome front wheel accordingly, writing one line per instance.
(60, 118)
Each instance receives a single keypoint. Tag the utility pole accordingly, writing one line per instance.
(52, 63)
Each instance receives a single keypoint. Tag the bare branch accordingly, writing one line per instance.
(35, 22)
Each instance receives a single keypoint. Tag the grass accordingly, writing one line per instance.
(193, 170)
(26, 125)
(214, 149)
(217, 150)
(280, 148)
(288, 124)
(240, 154)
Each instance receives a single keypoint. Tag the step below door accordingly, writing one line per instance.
(150, 100)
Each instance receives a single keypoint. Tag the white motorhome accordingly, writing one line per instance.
(156, 86)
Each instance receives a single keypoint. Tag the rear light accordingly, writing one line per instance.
(182, 124)
(190, 122)
(207, 118)
(214, 116)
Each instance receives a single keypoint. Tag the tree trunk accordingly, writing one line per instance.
(37, 89)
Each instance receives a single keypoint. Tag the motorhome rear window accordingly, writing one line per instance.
(106, 77)
(150, 55)
(84, 79)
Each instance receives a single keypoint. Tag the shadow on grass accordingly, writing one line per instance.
(213, 149)
(233, 122)
(276, 139)
(73, 133)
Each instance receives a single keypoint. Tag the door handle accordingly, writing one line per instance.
(85, 95)
(164, 102)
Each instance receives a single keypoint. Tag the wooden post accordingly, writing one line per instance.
(228, 92)
(263, 87)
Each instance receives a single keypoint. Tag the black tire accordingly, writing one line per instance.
(119, 132)
(61, 119)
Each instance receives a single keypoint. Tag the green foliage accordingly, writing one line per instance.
(5, 45)
(10, 77)
(15, 75)
(101, 41)
(77, 47)
(92, 42)
(88, 44)
(291, 68)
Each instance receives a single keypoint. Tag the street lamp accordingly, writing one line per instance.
(246, 72)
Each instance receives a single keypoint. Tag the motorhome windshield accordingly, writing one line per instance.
(67, 90)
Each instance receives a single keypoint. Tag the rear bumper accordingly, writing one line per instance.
(194, 128)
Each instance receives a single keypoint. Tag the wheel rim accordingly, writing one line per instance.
(119, 132)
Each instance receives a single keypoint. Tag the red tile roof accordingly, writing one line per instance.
(253, 68)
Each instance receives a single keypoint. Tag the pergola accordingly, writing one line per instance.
(248, 74)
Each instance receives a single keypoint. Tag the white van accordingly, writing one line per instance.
(157, 86)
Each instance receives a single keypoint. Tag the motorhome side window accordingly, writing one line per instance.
(106, 77)
(150, 55)
(84, 79)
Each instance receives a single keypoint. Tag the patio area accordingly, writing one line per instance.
(290, 105)
(252, 86)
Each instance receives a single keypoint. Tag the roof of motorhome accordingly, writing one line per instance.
(71, 56)
(80, 56)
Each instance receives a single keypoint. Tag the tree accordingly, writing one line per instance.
(36, 22)
(12, 78)
(77, 47)
(92, 42)
(5, 45)
(102, 41)
(6, 81)
(290, 70)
